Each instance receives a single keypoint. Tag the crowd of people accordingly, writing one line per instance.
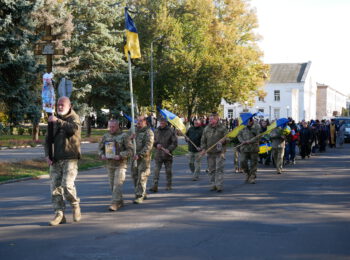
(205, 137)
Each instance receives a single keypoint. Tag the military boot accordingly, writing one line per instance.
(138, 200)
(58, 219)
(76, 213)
(154, 188)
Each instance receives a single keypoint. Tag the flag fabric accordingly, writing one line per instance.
(129, 118)
(243, 121)
(132, 38)
(279, 122)
(264, 148)
(174, 120)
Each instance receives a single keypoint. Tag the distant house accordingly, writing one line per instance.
(330, 102)
(291, 92)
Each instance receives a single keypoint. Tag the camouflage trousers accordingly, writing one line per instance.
(216, 169)
(249, 164)
(168, 171)
(236, 158)
(140, 175)
(116, 175)
(277, 155)
(63, 174)
(195, 164)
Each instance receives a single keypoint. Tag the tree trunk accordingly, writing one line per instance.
(88, 126)
(35, 132)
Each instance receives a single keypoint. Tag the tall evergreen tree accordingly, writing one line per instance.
(18, 69)
(100, 73)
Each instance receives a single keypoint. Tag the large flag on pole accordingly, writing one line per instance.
(174, 120)
(132, 38)
(279, 122)
(243, 121)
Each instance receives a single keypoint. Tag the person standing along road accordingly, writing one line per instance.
(249, 150)
(140, 171)
(305, 140)
(278, 144)
(194, 133)
(291, 142)
(165, 142)
(212, 133)
(64, 166)
(115, 148)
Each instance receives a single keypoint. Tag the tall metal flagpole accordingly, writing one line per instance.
(132, 108)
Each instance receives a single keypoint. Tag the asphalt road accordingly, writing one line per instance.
(21, 154)
(302, 214)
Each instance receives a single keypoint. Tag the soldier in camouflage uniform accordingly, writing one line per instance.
(278, 143)
(249, 150)
(64, 164)
(212, 133)
(115, 148)
(194, 133)
(142, 168)
(165, 142)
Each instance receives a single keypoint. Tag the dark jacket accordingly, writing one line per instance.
(306, 136)
(168, 139)
(67, 137)
(195, 134)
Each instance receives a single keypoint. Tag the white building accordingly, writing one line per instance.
(291, 92)
(330, 102)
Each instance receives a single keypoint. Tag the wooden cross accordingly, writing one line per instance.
(47, 47)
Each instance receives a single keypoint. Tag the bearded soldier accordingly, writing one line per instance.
(64, 164)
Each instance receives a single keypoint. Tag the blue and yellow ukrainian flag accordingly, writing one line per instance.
(264, 148)
(279, 122)
(243, 121)
(132, 38)
(174, 120)
(129, 118)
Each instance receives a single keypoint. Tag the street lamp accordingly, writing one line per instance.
(287, 111)
(245, 106)
(152, 76)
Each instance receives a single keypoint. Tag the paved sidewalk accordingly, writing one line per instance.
(302, 214)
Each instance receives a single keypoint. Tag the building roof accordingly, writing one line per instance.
(289, 72)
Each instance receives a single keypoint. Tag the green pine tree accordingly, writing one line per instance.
(100, 72)
(18, 69)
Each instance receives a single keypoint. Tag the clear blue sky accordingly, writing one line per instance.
(308, 30)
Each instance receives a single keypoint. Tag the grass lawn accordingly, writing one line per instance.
(26, 140)
(35, 168)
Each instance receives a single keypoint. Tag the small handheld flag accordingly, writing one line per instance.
(277, 123)
(264, 148)
(132, 45)
(243, 121)
(128, 117)
(174, 120)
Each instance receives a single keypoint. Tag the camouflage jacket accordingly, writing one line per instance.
(67, 137)
(211, 135)
(246, 134)
(119, 142)
(277, 138)
(144, 142)
(168, 139)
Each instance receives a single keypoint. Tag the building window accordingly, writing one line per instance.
(261, 99)
(230, 113)
(276, 113)
(277, 95)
